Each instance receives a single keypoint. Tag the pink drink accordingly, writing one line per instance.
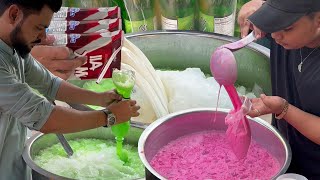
(82, 27)
(97, 47)
(87, 14)
(205, 155)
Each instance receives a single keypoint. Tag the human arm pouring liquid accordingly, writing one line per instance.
(65, 120)
(306, 123)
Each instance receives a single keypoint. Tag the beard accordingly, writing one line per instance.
(19, 43)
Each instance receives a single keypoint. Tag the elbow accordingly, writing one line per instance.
(47, 128)
(44, 131)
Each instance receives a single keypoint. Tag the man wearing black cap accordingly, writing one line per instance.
(294, 29)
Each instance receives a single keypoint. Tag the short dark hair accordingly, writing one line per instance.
(30, 6)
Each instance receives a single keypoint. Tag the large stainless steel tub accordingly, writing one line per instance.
(175, 125)
(41, 141)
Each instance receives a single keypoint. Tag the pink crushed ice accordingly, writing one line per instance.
(206, 155)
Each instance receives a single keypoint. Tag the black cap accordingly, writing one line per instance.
(276, 15)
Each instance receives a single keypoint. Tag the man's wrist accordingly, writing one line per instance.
(106, 118)
(110, 117)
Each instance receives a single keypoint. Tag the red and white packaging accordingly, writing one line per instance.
(83, 27)
(97, 47)
(87, 14)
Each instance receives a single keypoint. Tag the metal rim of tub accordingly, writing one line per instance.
(253, 46)
(154, 125)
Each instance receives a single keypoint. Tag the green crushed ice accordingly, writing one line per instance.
(93, 159)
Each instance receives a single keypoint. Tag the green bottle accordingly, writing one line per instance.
(124, 81)
(240, 3)
(138, 15)
(87, 3)
(177, 14)
(217, 16)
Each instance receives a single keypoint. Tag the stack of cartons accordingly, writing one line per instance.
(95, 33)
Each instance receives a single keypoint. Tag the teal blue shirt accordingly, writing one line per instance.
(21, 107)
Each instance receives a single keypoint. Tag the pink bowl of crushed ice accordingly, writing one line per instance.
(192, 144)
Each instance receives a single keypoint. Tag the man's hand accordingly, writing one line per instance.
(124, 110)
(56, 60)
(246, 10)
(108, 97)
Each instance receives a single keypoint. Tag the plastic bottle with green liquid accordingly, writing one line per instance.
(217, 16)
(124, 81)
(177, 14)
(87, 4)
(240, 3)
(137, 15)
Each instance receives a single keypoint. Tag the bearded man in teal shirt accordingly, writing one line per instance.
(23, 24)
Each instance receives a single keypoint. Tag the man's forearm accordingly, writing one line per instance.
(73, 94)
(65, 120)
